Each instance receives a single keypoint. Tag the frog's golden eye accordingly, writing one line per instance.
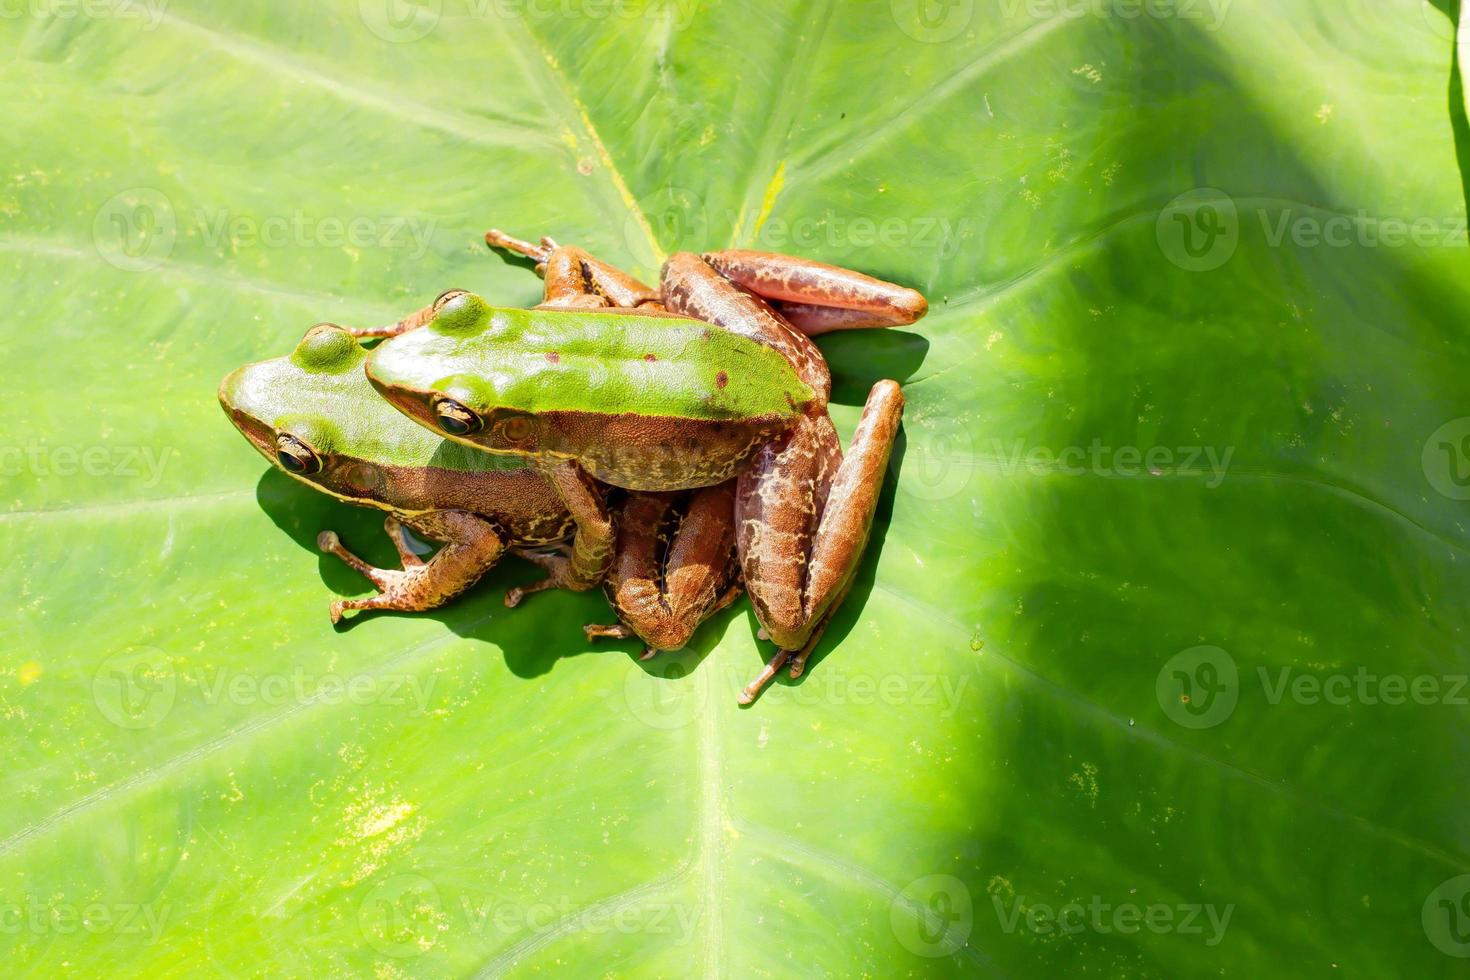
(455, 419)
(448, 296)
(517, 428)
(296, 456)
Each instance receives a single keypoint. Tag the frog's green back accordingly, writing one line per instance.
(320, 394)
(571, 361)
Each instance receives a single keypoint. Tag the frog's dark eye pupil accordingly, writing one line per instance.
(455, 419)
(296, 457)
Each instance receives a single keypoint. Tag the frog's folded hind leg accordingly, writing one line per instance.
(472, 546)
(800, 548)
(673, 565)
(816, 297)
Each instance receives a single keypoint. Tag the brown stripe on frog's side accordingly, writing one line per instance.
(644, 452)
(695, 289)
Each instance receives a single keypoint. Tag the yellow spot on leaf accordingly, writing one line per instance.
(29, 673)
(768, 203)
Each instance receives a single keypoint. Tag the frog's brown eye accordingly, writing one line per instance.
(516, 429)
(296, 456)
(455, 419)
(447, 296)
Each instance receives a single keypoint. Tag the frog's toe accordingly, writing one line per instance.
(328, 541)
(754, 688)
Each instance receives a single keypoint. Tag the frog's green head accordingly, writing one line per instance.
(314, 415)
(563, 383)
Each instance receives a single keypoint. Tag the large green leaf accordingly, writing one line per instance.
(996, 726)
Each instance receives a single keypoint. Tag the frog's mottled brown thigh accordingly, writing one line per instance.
(674, 564)
(472, 546)
(803, 513)
(816, 297)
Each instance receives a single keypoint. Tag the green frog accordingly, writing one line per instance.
(709, 379)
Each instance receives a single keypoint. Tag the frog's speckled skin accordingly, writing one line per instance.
(370, 455)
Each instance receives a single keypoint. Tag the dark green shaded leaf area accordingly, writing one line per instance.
(1155, 665)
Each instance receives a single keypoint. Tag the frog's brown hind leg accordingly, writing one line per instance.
(816, 297)
(572, 273)
(673, 566)
(471, 546)
(801, 498)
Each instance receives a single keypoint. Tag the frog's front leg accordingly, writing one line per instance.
(673, 567)
(472, 546)
(803, 514)
(416, 319)
(592, 542)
